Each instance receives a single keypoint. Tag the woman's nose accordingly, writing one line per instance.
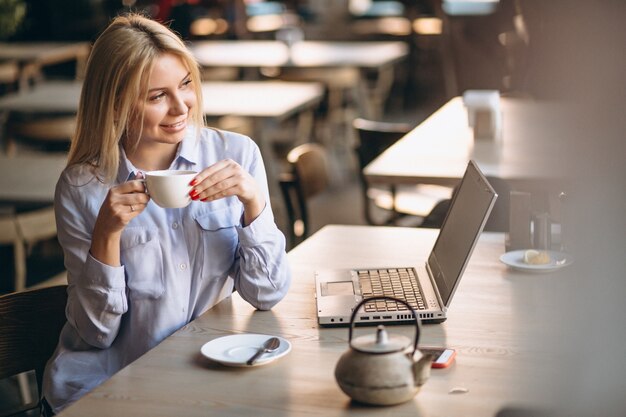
(178, 105)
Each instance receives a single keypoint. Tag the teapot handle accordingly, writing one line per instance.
(385, 297)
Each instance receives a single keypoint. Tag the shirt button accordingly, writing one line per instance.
(183, 266)
(175, 225)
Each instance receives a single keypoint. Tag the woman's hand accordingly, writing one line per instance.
(227, 178)
(123, 203)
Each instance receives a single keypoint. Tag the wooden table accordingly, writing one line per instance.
(438, 149)
(261, 99)
(311, 54)
(326, 55)
(273, 101)
(46, 97)
(490, 324)
(29, 179)
(277, 100)
(267, 101)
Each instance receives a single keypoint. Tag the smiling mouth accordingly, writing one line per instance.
(175, 125)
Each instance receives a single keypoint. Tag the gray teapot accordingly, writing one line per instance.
(379, 368)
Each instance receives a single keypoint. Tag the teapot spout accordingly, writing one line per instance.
(421, 369)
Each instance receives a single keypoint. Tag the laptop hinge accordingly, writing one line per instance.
(431, 277)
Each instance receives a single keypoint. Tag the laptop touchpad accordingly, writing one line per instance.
(337, 288)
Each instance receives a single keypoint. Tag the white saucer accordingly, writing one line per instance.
(515, 259)
(236, 349)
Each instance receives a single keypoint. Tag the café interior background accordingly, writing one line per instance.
(577, 59)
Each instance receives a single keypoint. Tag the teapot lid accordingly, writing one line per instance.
(381, 342)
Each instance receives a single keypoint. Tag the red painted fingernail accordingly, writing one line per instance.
(194, 197)
(193, 193)
(193, 182)
(205, 199)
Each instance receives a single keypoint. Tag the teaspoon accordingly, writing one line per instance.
(270, 345)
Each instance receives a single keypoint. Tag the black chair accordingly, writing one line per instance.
(30, 324)
(393, 202)
(498, 220)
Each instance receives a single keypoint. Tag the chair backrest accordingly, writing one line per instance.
(30, 324)
(375, 137)
(22, 230)
(311, 168)
(37, 225)
(9, 234)
(308, 177)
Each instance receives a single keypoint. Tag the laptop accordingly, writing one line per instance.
(428, 288)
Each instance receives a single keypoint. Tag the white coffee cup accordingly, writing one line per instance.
(169, 188)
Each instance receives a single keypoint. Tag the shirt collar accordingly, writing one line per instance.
(188, 147)
(186, 151)
(126, 169)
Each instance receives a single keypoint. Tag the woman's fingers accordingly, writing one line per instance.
(123, 203)
(224, 179)
(132, 186)
(214, 174)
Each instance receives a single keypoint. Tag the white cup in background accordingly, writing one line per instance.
(169, 188)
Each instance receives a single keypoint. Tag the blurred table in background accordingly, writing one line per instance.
(48, 107)
(376, 56)
(259, 100)
(29, 180)
(522, 160)
(33, 56)
(46, 97)
(438, 149)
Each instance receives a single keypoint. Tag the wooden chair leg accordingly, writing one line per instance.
(19, 257)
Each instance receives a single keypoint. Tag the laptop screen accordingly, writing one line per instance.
(461, 228)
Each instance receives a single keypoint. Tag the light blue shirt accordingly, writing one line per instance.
(176, 264)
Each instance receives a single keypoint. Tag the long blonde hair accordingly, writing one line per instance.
(116, 78)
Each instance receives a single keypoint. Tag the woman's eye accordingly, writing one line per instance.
(186, 82)
(157, 96)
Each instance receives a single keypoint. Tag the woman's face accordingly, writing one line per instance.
(170, 98)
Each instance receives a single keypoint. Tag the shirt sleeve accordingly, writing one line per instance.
(261, 271)
(96, 292)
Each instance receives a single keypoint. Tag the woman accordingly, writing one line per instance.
(138, 272)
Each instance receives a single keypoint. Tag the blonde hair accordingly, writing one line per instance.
(116, 78)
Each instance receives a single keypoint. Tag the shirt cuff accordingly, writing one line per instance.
(103, 275)
(259, 230)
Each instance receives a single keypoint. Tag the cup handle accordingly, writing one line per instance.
(145, 184)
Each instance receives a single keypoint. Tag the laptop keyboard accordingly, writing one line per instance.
(396, 282)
